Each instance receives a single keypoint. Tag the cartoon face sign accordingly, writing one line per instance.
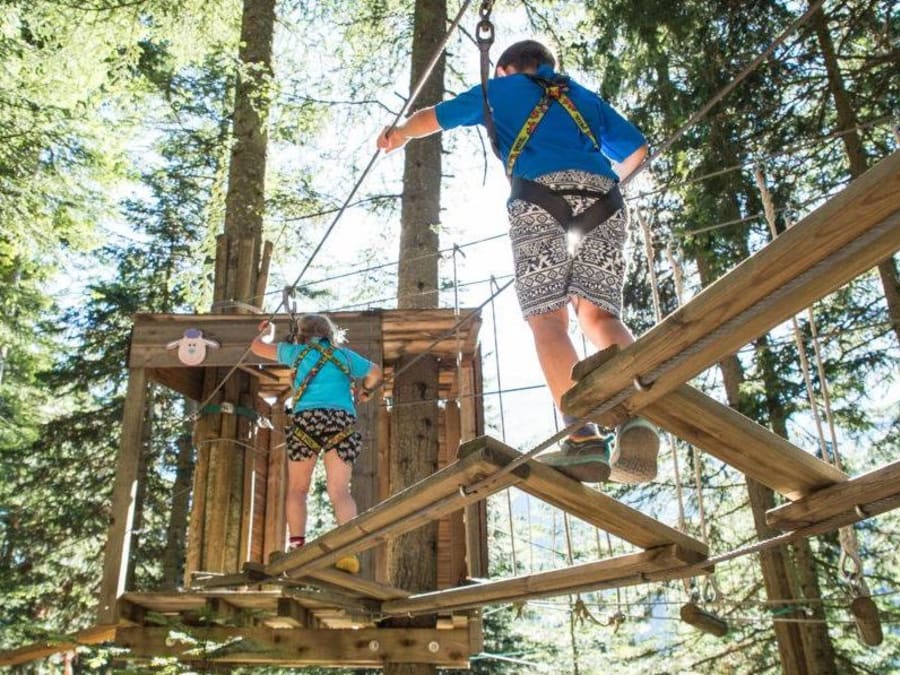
(192, 347)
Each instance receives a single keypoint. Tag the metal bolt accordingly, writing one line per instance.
(374, 645)
(433, 647)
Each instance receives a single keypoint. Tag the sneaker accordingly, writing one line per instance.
(582, 459)
(634, 457)
(349, 563)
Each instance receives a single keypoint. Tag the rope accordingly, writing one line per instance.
(850, 563)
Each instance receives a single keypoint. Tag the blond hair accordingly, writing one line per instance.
(311, 326)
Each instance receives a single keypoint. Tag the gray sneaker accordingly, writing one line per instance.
(634, 457)
(585, 460)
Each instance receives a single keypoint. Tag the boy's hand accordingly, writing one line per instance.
(391, 139)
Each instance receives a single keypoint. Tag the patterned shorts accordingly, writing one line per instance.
(320, 425)
(546, 272)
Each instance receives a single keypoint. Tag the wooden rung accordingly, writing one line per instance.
(591, 506)
(421, 503)
(739, 441)
(622, 570)
(296, 647)
(41, 650)
(837, 500)
(357, 585)
(846, 236)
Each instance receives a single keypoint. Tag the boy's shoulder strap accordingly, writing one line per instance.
(554, 89)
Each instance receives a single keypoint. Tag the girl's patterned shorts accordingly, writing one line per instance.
(547, 273)
(321, 425)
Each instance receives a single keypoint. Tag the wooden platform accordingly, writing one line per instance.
(482, 461)
(400, 332)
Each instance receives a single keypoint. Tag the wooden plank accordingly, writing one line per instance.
(121, 513)
(421, 503)
(837, 500)
(276, 485)
(739, 441)
(358, 585)
(292, 614)
(591, 506)
(364, 485)
(366, 647)
(573, 579)
(471, 426)
(41, 650)
(840, 240)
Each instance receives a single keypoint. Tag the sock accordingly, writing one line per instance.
(296, 541)
(589, 429)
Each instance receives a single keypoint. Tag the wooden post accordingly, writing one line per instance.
(118, 544)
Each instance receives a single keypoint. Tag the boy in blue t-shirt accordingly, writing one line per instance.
(564, 149)
(323, 417)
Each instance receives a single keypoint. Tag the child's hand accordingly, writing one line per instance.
(266, 331)
(391, 138)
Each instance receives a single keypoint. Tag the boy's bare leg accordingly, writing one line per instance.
(634, 459)
(299, 477)
(337, 477)
(600, 327)
(555, 351)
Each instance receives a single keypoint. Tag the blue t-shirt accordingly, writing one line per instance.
(330, 388)
(557, 143)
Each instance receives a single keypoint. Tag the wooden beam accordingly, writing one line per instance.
(838, 500)
(624, 569)
(296, 647)
(41, 650)
(421, 503)
(591, 506)
(739, 441)
(403, 330)
(840, 240)
(121, 512)
(358, 585)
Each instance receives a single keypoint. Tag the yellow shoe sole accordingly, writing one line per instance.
(349, 564)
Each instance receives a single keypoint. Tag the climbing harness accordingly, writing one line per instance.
(606, 204)
(326, 355)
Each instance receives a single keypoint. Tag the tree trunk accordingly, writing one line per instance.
(853, 148)
(412, 559)
(218, 492)
(173, 555)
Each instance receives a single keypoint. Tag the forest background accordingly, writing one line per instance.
(115, 129)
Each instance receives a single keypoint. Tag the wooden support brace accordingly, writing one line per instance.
(367, 647)
(41, 650)
(291, 614)
(842, 499)
(739, 441)
(610, 573)
(591, 506)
